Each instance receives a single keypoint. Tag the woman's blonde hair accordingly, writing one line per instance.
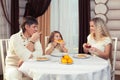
(101, 29)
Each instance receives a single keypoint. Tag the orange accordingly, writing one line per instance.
(66, 56)
(64, 61)
(70, 61)
(59, 41)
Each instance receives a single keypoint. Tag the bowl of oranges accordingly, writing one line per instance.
(66, 59)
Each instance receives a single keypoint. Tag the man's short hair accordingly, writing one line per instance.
(29, 21)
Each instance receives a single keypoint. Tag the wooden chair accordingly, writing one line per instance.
(46, 40)
(4, 45)
(114, 52)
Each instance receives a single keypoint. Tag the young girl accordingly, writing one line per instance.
(55, 44)
(99, 40)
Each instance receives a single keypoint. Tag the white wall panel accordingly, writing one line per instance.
(92, 6)
(113, 14)
(100, 8)
(22, 3)
(100, 1)
(21, 12)
(115, 33)
(114, 25)
(113, 4)
(92, 14)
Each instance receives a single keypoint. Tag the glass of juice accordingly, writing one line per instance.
(88, 46)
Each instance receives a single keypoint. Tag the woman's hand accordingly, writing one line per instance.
(103, 54)
(93, 51)
(86, 47)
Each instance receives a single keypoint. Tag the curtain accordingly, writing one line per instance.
(5, 7)
(84, 17)
(44, 27)
(36, 8)
(14, 16)
(10, 9)
(4, 23)
(64, 18)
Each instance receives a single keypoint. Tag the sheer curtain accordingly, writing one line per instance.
(4, 25)
(64, 18)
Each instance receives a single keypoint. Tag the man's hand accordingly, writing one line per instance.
(30, 46)
(20, 62)
(35, 36)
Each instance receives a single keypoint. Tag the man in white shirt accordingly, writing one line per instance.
(23, 46)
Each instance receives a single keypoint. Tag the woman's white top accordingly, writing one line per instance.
(99, 44)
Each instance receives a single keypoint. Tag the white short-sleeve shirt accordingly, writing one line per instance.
(99, 44)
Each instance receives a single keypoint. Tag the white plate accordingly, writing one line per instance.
(81, 56)
(57, 54)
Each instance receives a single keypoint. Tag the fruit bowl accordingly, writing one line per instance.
(66, 59)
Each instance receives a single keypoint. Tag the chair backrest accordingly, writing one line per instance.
(46, 40)
(114, 52)
(4, 45)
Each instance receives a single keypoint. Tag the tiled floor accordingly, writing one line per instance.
(116, 77)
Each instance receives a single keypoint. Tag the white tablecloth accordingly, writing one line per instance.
(92, 68)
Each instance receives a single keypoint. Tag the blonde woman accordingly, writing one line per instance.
(99, 40)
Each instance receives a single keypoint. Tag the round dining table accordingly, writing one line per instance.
(89, 68)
